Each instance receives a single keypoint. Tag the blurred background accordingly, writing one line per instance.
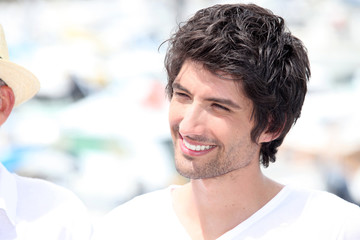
(99, 125)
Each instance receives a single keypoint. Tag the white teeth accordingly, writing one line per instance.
(197, 147)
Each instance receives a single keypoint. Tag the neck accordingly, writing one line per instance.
(243, 190)
(219, 204)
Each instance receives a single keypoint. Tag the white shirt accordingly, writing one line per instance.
(292, 214)
(39, 210)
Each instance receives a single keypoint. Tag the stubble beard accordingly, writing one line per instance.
(216, 166)
(213, 165)
(194, 168)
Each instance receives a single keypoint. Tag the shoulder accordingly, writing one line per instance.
(39, 190)
(321, 199)
(37, 198)
(329, 209)
(41, 203)
(144, 214)
(309, 214)
(145, 203)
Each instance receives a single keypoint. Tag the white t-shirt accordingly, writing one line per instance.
(35, 209)
(292, 214)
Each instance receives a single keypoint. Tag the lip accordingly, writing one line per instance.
(190, 152)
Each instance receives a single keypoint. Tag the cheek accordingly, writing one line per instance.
(174, 114)
(233, 132)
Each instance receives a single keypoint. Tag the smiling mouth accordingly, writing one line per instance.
(197, 147)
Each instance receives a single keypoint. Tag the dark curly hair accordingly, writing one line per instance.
(253, 46)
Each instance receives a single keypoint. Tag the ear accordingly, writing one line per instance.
(7, 101)
(268, 137)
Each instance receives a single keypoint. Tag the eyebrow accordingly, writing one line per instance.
(180, 87)
(224, 101)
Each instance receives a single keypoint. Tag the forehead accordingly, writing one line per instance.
(197, 79)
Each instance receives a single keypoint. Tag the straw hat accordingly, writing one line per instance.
(23, 83)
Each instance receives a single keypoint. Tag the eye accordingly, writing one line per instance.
(221, 107)
(181, 95)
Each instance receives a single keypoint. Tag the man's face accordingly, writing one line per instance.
(210, 121)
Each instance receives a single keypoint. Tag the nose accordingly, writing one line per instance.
(193, 121)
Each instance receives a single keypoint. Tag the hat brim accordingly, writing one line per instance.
(22, 82)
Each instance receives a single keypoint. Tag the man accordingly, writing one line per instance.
(33, 208)
(237, 80)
